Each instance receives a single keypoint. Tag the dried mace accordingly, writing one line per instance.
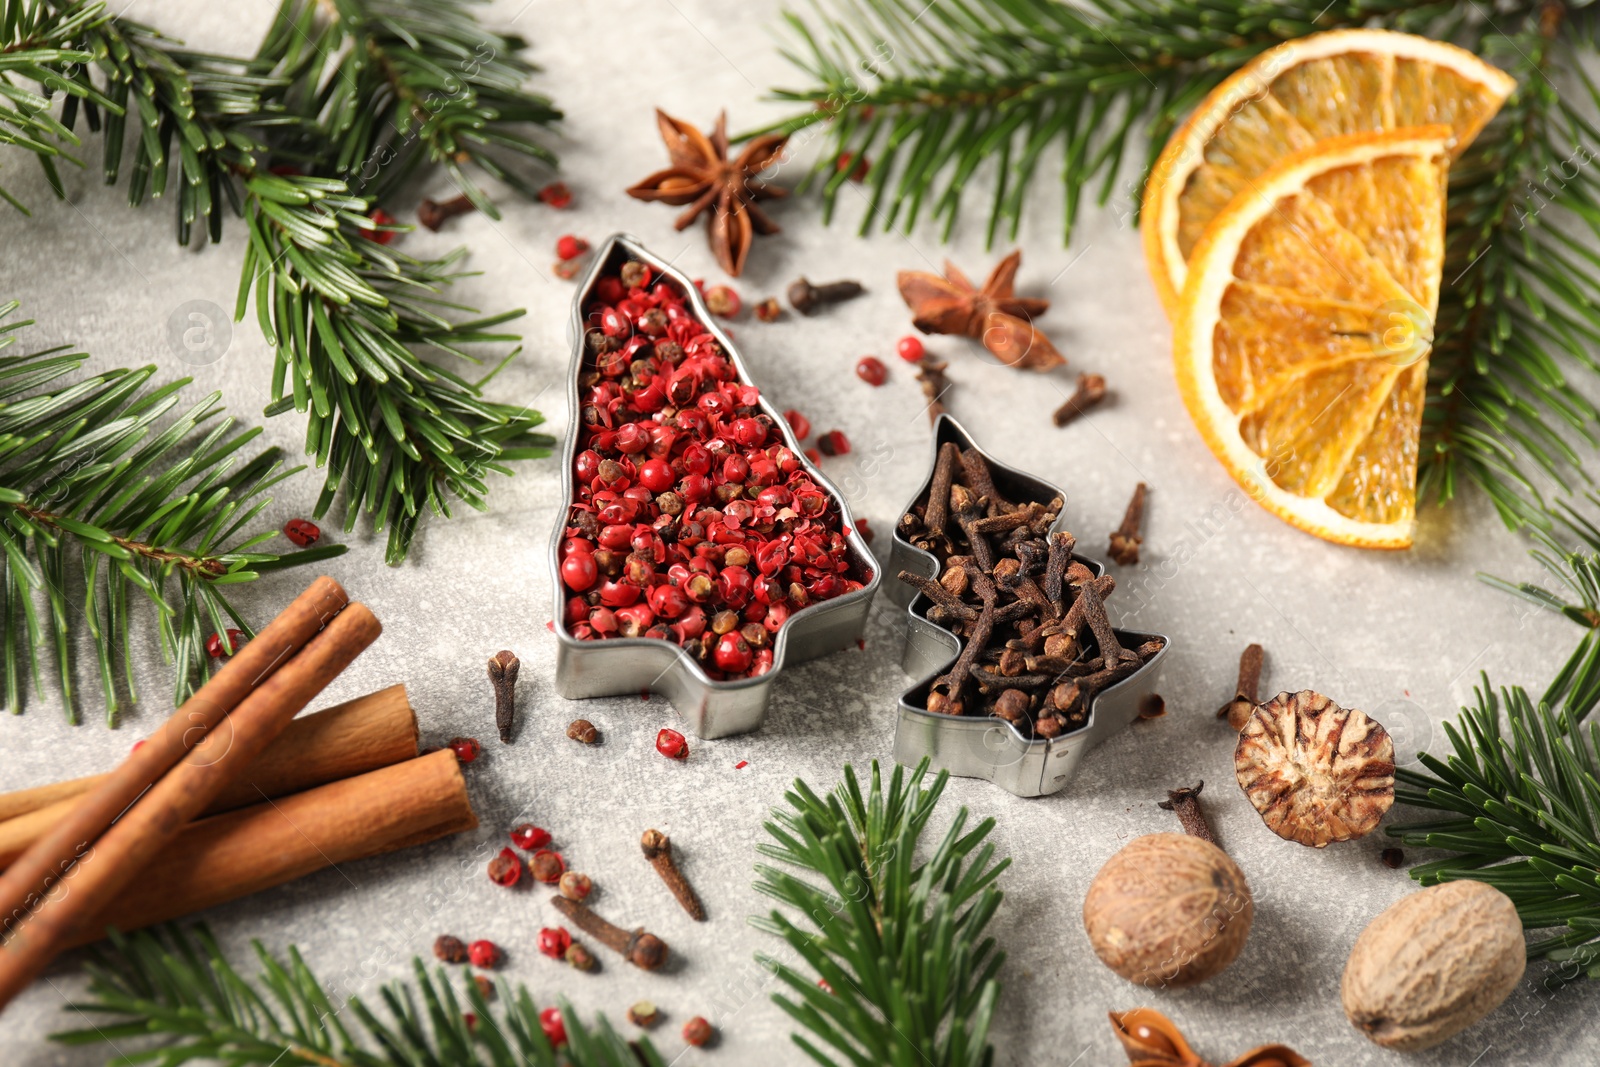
(703, 177)
(1170, 909)
(994, 314)
(503, 676)
(1150, 1040)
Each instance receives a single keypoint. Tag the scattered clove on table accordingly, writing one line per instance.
(930, 372)
(644, 950)
(503, 666)
(1246, 690)
(1037, 644)
(1091, 391)
(1126, 539)
(657, 848)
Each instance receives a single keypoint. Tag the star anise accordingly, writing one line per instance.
(702, 176)
(1150, 1040)
(994, 314)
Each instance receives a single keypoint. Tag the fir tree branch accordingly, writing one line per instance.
(181, 988)
(100, 492)
(910, 976)
(330, 104)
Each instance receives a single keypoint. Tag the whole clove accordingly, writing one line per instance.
(1246, 691)
(434, 214)
(1091, 391)
(1125, 539)
(1185, 803)
(807, 298)
(503, 676)
(644, 950)
(1037, 643)
(935, 384)
(657, 848)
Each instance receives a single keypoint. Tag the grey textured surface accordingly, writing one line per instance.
(1400, 635)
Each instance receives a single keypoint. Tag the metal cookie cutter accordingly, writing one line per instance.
(633, 664)
(989, 747)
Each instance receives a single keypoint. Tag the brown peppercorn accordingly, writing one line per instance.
(1393, 858)
(644, 1013)
(546, 866)
(583, 730)
(697, 1031)
(769, 310)
(581, 958)
(633, 274)
(575, 886)
(485, 987)
(450, 949)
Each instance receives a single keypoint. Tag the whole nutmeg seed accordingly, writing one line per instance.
(1432, 964)
(1168, 910)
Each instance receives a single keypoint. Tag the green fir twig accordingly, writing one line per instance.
(105, 501)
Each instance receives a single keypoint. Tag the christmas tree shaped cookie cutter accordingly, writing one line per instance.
(625, 665)
(979, 745)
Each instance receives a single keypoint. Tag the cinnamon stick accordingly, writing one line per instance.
(96, 870)
(30, 877)
(360, 735)
(241, 852)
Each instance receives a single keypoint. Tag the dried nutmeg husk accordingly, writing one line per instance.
(1316, 772)
(1168, 910)
(1432, 964)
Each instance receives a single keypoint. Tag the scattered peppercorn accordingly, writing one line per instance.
(302, 532)
(858, 171)
(910, 349)
(380, 217)
(769, 310)
(566, 269)
(554, 942)
(871, 370)
(671, 744)
(530, 838)
(581, 958)
(644, 1014)
(833, 443)
(465, 748)
(697, 1031)
(865, 531)
(215, 648)
(485, 987)
(556, 194)
(582, 730)
(813, 455)
(575, 886)
(570, 247)
(506, 868)
(1393, 858)
(547, 866)
(450, 949)
(555, 1031)
(798, 423)
(485, 954)
(723, 301)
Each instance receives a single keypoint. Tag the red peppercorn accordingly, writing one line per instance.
(697, 1031)
(579, 571)
(381, 218)
(554, 941)
(723, 302)
(570, 247)
(485, 954)
(813, 455)
(656, 475)
(506, 868)
(556, 194)
(798, 423)
(301, 532)
(672, 744)
(555, 1031)
(733, 653)
(465, 748)
(834, 443)
(530, 838)
(215, 648)
(910, 349)
(871, 370)
(547, 866)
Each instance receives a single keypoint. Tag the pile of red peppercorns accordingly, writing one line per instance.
(693, 522)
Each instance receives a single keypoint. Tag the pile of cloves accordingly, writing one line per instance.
(1037, 644)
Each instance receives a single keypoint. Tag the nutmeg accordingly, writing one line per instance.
(1432, 964)
(1168, 910)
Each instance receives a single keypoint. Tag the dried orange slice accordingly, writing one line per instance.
(1287, 98)
(1302, 336)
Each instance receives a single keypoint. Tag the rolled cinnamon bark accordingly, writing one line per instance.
(24, 882)
(229, 856)
(98, 869)
(347, 739)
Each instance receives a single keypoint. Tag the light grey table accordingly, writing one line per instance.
(1400, 635)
